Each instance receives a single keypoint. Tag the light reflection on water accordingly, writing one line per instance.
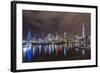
(45, 51)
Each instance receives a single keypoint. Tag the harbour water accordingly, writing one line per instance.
(54, 52)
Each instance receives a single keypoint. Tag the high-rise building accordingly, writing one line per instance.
(83, 31)
(83, 35)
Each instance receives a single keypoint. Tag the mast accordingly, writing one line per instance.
(83, 31)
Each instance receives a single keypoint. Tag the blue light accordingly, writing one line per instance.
(50, 49)
(29, 51)
(29, 38)
(65, 51)
(29, 54)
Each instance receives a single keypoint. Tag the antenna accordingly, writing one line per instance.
(83, 30)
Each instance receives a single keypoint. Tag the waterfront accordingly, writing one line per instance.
(55, 36)
(71, 54)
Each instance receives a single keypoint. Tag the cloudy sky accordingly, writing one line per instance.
(51, 22)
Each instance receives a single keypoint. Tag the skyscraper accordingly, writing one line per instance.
(83, 35)
(83, 31)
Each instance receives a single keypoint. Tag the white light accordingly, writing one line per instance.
(24, 49)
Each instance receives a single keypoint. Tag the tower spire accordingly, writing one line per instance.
(83, 31)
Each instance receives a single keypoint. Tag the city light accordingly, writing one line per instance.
(54, 45)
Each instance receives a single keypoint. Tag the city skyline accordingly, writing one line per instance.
(50, 22)
(50, 36)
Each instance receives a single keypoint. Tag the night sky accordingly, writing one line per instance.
(39, 22)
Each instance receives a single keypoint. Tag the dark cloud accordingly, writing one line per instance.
(49, 21)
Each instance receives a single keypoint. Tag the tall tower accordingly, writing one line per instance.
(83, 34)
(83, 31)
